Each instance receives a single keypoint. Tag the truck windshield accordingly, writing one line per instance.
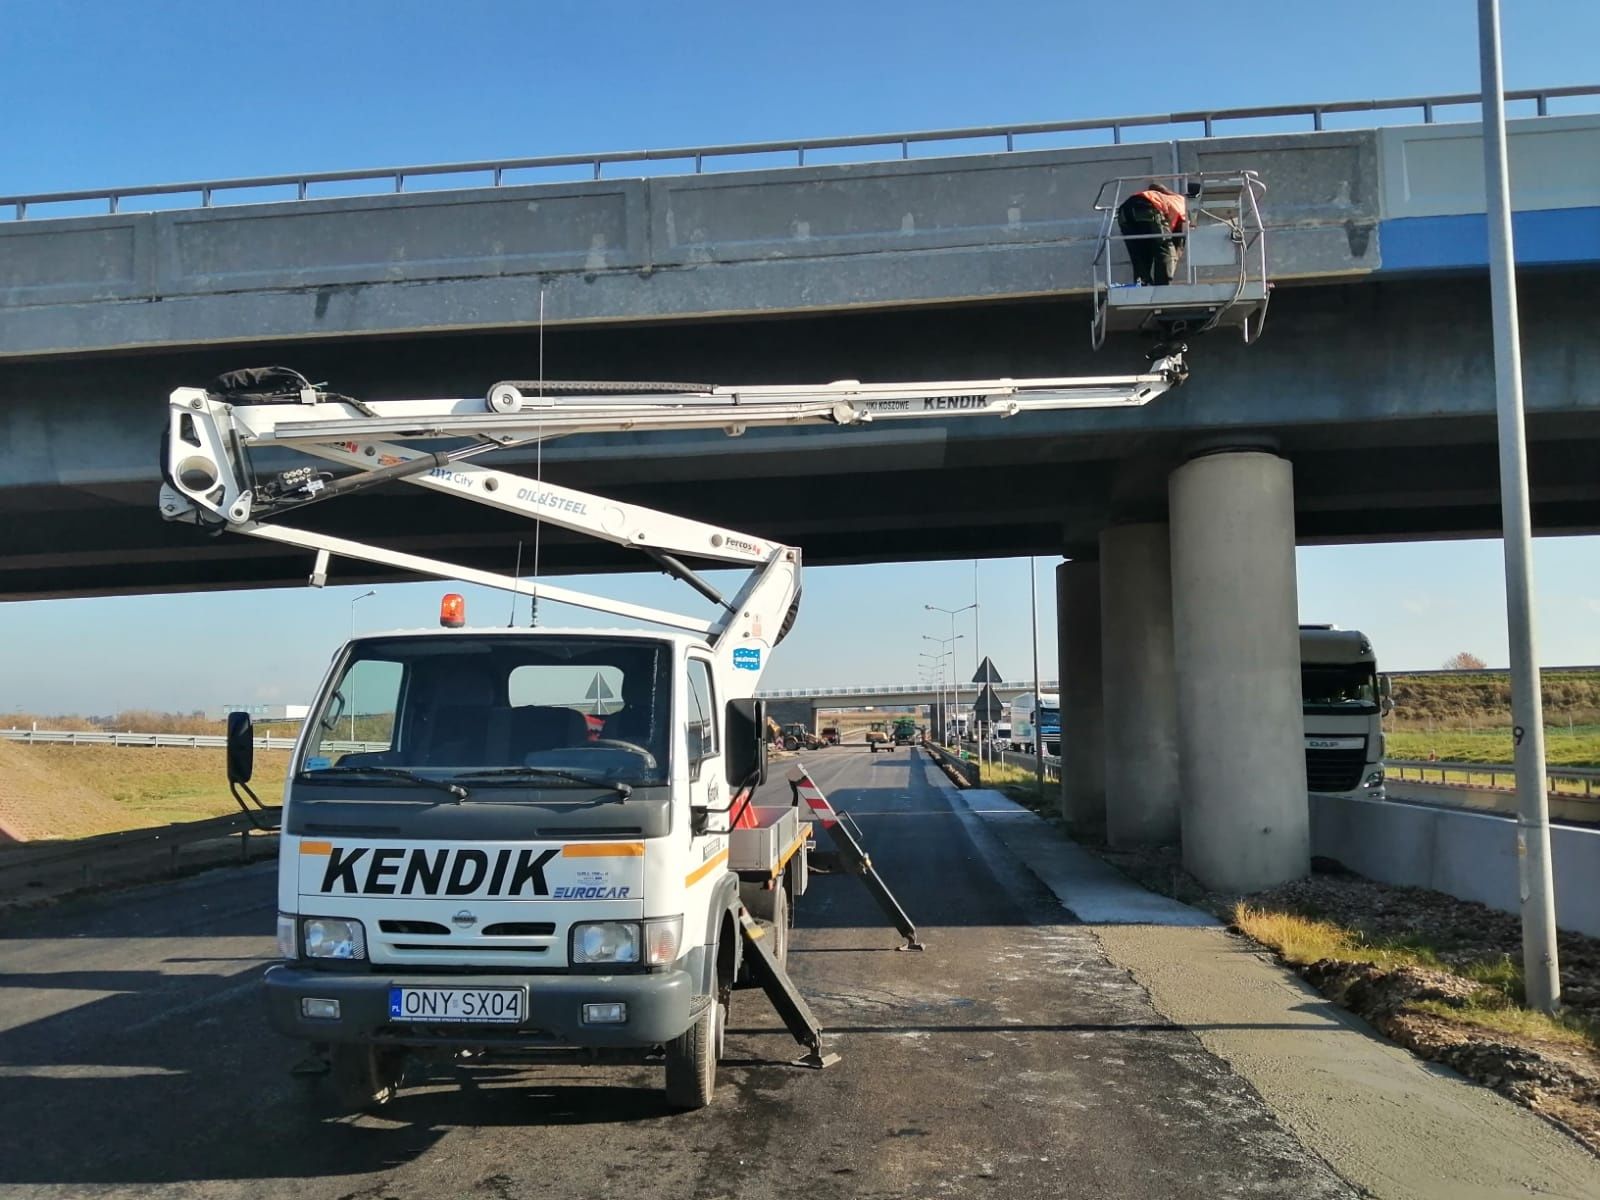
(577, 707)
(1049, 718)
(1339, 687)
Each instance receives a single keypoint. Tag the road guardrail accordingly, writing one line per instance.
(1571, 781)
(97, 737)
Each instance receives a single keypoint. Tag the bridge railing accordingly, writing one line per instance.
(694, 159)
(897, 689)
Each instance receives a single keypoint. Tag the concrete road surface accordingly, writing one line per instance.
(1009, 1060)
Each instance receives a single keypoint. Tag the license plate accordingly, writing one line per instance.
(490, 1005)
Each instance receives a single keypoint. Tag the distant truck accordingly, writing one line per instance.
(878, 735)
(905, 731)
(1036, 718)
(1343, 699)
(1000, 735)
(830, 735)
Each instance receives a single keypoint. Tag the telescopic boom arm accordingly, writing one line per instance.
(212, 481)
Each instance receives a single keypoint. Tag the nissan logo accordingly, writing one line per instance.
(464, 919)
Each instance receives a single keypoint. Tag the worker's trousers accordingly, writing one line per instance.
(1152, 249)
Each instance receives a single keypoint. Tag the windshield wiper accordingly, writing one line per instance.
(623, 790)
(444, 785)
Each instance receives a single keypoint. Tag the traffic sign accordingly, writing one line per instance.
(987, 707)
(986, 672)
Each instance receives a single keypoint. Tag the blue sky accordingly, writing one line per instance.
(98, 93)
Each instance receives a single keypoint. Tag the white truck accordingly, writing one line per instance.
(1343, 698)
(1035, 717)
(466, 862)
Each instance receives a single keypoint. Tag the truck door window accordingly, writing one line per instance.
(702, 716)
(357, 724)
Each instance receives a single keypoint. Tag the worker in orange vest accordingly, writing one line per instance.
(1153, 222)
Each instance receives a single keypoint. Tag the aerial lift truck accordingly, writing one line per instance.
(483, 870)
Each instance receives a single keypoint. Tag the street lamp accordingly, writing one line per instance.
(354, 600)
(949, 649)
(955, 681)
(934, 666)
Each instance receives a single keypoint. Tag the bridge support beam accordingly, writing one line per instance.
(1246, 822)
(1139, 688)
(1083, 726)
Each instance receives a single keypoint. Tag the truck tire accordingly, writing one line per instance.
(772, 912)
(365, 1077)
(692, 1059)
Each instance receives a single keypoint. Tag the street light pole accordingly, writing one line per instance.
(949, 645)
(1540, 968)
(1038, 734)
(955, 684)
(977, 664)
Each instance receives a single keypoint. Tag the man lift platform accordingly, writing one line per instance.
(1221, 281)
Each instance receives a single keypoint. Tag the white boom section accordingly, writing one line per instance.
(211, 480)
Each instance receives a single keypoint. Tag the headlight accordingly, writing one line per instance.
(605, 942)
(288, 944)
(1374, 779)
(655, 941)
(333, 937)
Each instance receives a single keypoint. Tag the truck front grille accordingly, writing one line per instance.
(1334, 770)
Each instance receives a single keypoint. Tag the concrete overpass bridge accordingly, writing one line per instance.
(1365, 413)
(1373, 381)
(864, 695)
(803, 704)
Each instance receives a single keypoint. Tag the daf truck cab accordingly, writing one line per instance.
(464, 865)
(1343, 698)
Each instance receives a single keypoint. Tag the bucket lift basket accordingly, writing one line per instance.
(1221, 280)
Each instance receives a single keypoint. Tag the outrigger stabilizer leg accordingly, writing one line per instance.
(785, 997)
(851, 854)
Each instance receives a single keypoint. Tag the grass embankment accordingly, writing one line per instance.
(1467, 718)
(1578, 746)
(1017, 783)
(55, 791)
(1492, 999)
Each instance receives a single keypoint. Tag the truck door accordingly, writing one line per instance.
(703, 745)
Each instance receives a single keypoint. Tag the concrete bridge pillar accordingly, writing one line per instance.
(1139, 692)
(1246, 822)
(1083, 736)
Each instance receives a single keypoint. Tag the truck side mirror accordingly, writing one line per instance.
(241, 747)
(745, 758)
(1385, 695)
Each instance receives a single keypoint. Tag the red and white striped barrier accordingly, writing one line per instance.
(811, 796)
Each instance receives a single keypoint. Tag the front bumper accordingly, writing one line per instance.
(660, 1007)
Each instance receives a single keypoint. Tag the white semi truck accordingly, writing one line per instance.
(1035, 718)
(466, 861)
(1343, 698)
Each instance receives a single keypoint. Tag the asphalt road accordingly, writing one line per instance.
(1009, 1060)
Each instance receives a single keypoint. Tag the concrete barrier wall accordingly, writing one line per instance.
(1472, 856)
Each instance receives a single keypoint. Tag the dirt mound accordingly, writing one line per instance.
(39, 801)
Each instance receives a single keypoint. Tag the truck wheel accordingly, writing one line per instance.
(365, 1077)
(692, 1059)
(771, 910)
